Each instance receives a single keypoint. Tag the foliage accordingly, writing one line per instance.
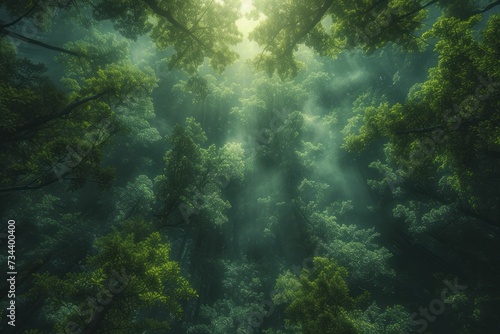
(194, 176)
(329, 28)
(257, 175)
(447, 123)
(126, 279)
(66, 135)
(268, 103)
(392, 320)
(194, 29)
(352, 247)
(321, 303)
(240, 306)
(135, 199)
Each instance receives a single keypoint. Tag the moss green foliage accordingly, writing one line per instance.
(241, 307)
(339, 178)
(352, 247)
(194, 29)
(447, 123)
(194, 176)
(330, 27)
(126, 279)
(319, 301)
(64, 135)
(392, 320)
(135, 199)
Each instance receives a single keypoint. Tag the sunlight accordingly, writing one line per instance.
(247, 49)
(246, 5)
(294, 166)
(244, 24)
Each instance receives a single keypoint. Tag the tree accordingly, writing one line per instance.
(194, 176)
(189, 197)
(40, 15)
(72, 128)
(34, 111)
(241, 305)
(352, 247)
(194, 29)
(392, 320)
(267, 103)
(330, 27)
(319, 301)
(122, 287)
(136, 199)
(447, 123)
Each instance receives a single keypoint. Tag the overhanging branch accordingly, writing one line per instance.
(167, 14)
(35, 42)
(20, 17)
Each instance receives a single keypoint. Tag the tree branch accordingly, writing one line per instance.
(20, 17)
(35, 42)
(69, 108)
(167, 14)
(28, 186)
(487, 8)
(319, 15)
(417, 10)
(373, 6)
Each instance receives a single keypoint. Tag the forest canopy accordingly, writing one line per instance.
(226, 166)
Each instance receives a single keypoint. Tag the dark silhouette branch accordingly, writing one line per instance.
(487, 8)
(375, 5)
(28, 186)
(35, 42)
(41, 180)
(31, 126)
(72, 106)
(317, 18)
(415, 11)
(20, 17)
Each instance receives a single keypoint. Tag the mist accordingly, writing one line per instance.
(249, 167)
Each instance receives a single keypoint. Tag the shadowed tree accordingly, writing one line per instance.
(66, 132)
(448, 123)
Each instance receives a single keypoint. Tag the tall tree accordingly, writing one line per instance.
(319, 301)
(194, 29)
(71, 129)
(122, 288)
(448, 123)
(330, 27)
